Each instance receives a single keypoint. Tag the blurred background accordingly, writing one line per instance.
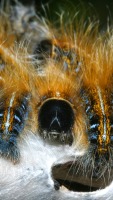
(103, 9)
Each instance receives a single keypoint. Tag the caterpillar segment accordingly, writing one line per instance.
(14, 100)
(96, 95)
(14, 112)
(97, 109)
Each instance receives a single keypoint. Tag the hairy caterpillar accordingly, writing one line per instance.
(55, 111)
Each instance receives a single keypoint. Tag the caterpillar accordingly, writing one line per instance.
(55, 109)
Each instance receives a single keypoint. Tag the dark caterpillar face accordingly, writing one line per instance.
(56, 119)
